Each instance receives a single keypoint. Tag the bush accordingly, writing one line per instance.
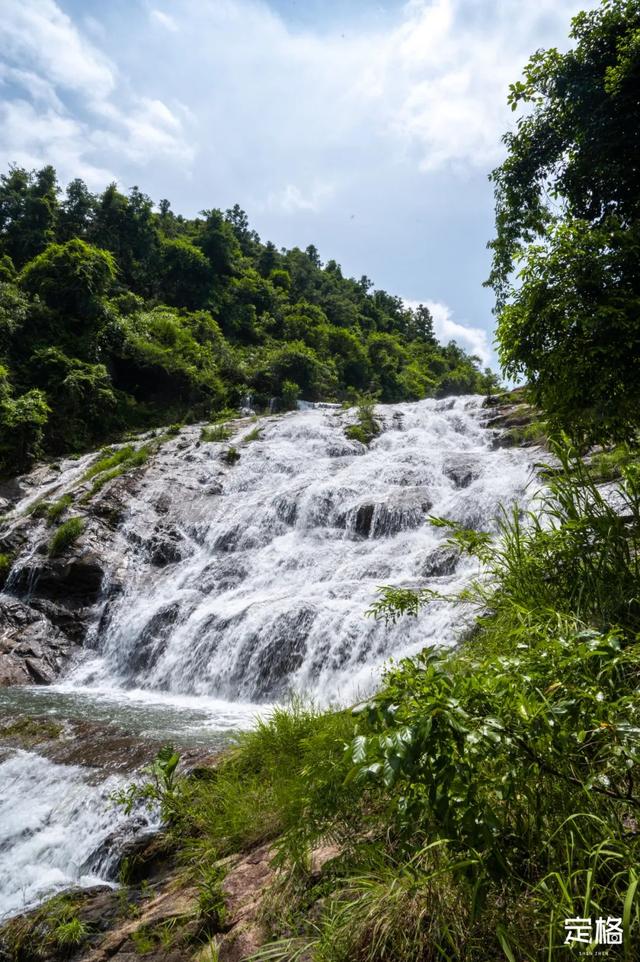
(231, 456)
(219, 432)
(55, 510)
(66, 535)
(367, 426)
(6, 562)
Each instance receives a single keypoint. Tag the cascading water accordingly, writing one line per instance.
(53, 826)
(281, 554)
(238, 583)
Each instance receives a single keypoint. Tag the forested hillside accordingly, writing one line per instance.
(116, 316)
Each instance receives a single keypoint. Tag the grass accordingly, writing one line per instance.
(367, 427)
(484, 794)
(108, 460)
(64, 536)
(217, 432)
(254, 435)
(114, 465)
(54, 931)
(231, 455)
(6, 562)
(528, 434)
(30, 731)
(610, 465)
(58, 508)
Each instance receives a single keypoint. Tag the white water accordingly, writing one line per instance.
(53, 824)
(272, 593)
(281, 555)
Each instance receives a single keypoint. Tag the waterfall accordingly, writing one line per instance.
(274, 561)
(238, 583)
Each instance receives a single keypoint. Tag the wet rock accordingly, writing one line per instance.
(165, 546)
(439, 562)
(13, 671)
(380, 518)
(74, 579)
(31, 648)
(286, 508)
(460, 470)
(152, 640)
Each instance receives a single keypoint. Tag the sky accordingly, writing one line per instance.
(366, 128)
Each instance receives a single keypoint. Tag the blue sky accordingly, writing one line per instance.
(366, 128)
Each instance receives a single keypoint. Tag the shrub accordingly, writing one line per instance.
(55, 510)
(218, 432)
(66, 535)
(231, 456)
(367, 426)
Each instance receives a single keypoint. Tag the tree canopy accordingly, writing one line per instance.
(116, 316)
(566, 256)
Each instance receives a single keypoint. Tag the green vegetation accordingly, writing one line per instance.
(115, 317)
(609, 465)
(483, 795)
(58, 508)
(53, 931)
(66, 535)
(568, 221)
(219, 432)
(231, 456)
(254, 435)
(29, 731)
(113, 464)
(6, 563)
(367, 427)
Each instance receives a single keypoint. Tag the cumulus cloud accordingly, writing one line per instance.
(291, 198)
(66, 103)
(359, 134)
(475, 340)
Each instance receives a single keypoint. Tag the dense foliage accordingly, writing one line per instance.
(568, 219)
(485, 795)
(115, 316)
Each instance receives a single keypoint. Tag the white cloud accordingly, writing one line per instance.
(292, 199)
(473, 339)
(38, 32)
(164, 19)
(370, 139)
(47, 57)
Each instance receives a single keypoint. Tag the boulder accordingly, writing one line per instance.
(439, 562)
(459, 470)
(382, 517)
(31, 648)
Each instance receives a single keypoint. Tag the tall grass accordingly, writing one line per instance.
(484, 795)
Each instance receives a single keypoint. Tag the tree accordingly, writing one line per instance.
(76, 211)
(567, 212)
(70, 277)
(28, 212)
(218, 241)
(184, 274)
(420, 325)
(22, 422)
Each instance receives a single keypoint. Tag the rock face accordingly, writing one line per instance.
(48, 602)
(407, 508)
(32, 649)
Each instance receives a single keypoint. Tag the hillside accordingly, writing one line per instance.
(115, 316)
